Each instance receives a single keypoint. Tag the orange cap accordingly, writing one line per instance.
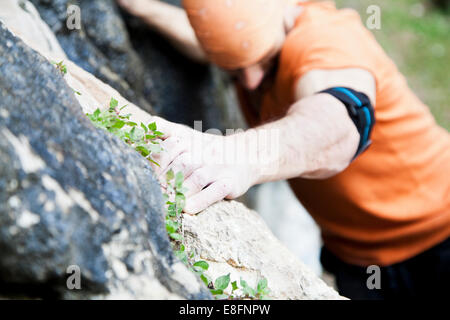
(235, 33)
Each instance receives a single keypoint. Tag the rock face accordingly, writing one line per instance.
(71, 194)
(142, 66)
(235, 240)
(290, 222)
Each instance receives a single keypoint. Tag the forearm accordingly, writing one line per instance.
(316, 139)
(173, 23)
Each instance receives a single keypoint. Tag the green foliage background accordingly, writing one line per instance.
(416, 36)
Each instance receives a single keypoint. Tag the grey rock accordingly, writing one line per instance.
(290, 222)
(71, 194)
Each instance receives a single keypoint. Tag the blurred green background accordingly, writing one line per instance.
(416, 35)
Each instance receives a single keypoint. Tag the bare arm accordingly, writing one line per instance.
(319, 139)
(171, 21)
(316, 139)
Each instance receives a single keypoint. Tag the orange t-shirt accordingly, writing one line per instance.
(393, 201)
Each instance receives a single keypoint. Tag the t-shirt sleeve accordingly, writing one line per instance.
(339, 43)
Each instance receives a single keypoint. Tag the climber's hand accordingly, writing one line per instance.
(215, 167)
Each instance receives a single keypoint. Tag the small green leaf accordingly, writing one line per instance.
(169, 175)
(234, 286)
(172, 226)
(222, 282)
(144, 127)
(216, 291)
(119, 124)
(247, 290)
(206, 279)
(262, 284)
(176, 236)
(179, 179)
(202, 264)
(143, 151)
(132, 134)
(152, 126)
(154, 162)
(180, 201)
(113, 103)
(221, 297)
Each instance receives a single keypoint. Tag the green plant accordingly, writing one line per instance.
(145, 140)
(246, 291)
(175, 201)
(260, 292)
(60, 66)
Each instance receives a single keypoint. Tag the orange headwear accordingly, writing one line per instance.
(235, 33)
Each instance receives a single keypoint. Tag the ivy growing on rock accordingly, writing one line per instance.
(175, 201)
(145, 139)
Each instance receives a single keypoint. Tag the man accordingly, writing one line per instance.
(361, 152)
